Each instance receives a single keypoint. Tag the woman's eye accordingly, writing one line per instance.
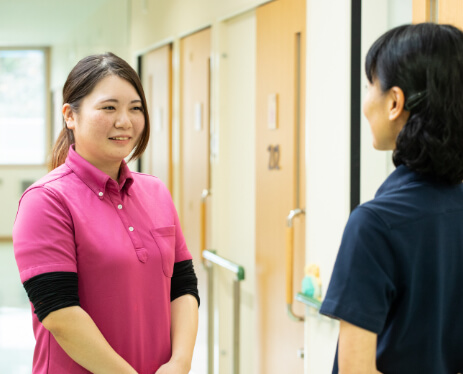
(109, 107)
(138, 108)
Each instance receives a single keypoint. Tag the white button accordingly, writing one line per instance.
(100, 193)
(130, 228)
(120, 206)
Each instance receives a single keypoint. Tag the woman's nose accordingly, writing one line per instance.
(123, 120)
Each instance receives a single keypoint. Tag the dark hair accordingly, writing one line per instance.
(80, 82)
(426, 62)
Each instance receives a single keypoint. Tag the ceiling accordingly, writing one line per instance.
(44, 22)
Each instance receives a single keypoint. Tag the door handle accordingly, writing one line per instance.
(202, 237)
(290, 263)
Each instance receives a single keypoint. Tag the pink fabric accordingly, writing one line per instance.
(63, 224)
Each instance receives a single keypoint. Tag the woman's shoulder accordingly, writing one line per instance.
(149, 183)
(51, 180)
(415, 202)
(44, 195)
(146, 179)
(391, 210)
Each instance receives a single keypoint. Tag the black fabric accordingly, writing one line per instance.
(56, 290)
(52, 291)
(396, 251)
(184, 281)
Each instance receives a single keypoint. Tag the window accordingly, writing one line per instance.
(23, 106)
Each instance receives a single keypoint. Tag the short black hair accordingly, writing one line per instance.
(426, 61)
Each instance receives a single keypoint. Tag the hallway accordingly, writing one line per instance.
(268, 133)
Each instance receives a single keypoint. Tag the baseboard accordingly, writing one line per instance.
(5, 239)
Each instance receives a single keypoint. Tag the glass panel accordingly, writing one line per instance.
(22, 107)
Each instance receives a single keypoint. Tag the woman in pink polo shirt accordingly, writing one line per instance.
(99, 248)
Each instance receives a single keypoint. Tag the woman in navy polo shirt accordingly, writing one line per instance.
(397, 282)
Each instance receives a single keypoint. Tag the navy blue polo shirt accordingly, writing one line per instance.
(399, 274)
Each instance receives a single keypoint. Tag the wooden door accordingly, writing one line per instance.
(422, 10)
(439, 11)
(195, 162)
(450, 12)
(280, 179)
(157, 82)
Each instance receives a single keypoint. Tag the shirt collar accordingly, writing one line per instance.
(399, 178)
(125, 177)
(94, 178)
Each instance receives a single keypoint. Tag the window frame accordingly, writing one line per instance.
(48, 106)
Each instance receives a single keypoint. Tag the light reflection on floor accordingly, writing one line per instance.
(16, 341)
(16, 337)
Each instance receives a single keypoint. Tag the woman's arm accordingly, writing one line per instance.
(357, 350)
(183, 332)
(77, 334)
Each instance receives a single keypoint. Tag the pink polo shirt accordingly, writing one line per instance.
(121, 239)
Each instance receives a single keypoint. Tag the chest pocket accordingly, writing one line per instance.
(164, 238)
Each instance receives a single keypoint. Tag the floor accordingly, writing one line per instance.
(16, 337)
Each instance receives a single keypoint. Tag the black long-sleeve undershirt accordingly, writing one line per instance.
(56, 290)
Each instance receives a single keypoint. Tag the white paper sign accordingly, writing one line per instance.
(272, 112)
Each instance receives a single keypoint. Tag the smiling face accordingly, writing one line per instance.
(108, 125)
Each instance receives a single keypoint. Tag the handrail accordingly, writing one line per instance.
(238, 270)
(290, 263)
(202, 239)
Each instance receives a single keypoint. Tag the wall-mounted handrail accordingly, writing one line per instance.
(238, 270)
(202, 238)
(309, 301)
(290, 263)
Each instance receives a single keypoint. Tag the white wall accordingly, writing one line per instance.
(155, 21)
(328, 154)
(106, 29)
(31, 23)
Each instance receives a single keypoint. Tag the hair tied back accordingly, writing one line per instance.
(414, 100)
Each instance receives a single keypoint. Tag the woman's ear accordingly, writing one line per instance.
(69, 116)
(397, 104)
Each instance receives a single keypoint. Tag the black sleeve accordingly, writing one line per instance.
(52, 291)
(184, 281)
